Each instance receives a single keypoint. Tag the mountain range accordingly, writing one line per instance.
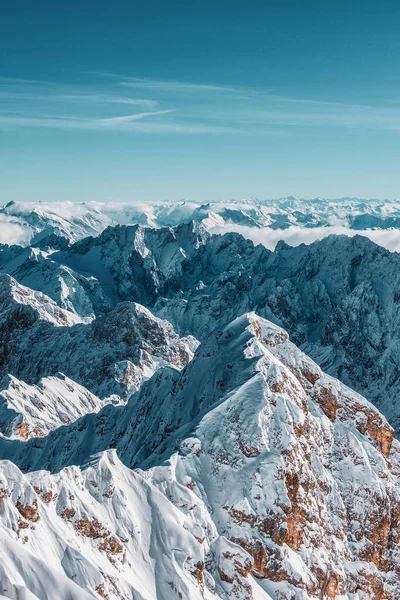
(186, 414)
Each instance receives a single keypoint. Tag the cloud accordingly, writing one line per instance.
(176, 86)
(125, 123)
(294, 236)
(108, 99)
(17, 80)
(134, 117)
(197, 107)
(13, 231)
(13, 228)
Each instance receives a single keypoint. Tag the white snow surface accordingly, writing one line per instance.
(338, 297)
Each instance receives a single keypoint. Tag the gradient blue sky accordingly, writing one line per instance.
(212, 100)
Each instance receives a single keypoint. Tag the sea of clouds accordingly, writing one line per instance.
(14, 231)
(15, 228)
(295, 235)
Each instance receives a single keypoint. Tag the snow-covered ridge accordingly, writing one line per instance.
(266, 456)
(158, 468)
(14, 295)
(33, 410)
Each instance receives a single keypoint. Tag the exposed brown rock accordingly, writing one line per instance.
(249, 451)
(311, 376)
(23, 431)
(381, 432)
(30, 513)
(197, 572)
(328, 402)
(370, 584)
(111, 545)
(369, 421)
(242, 517)
(277, 387)
(224, 576)
(109, 493)
(200, 539)
(243, 567)
(47, 497)
(67, 514)
(101, 591)
(91, 529)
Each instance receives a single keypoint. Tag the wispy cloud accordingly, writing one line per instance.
(34, 104)
(177, 106)
(17, 80)
(176, 86)
(134, 117)
(14, 230)
(127, 123)
(108, 99)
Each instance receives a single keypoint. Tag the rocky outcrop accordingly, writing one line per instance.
(30, 513)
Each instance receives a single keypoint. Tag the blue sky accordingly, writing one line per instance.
(212, 100)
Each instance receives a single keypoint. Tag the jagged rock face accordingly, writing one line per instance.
(105, 532)
(344, 313)
(111, 355)
(52, 223)
(149, 261)
(244, 473)
(280, 482)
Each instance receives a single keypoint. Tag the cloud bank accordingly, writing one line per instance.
(294, 236)
(14, 231)
(74, 217)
